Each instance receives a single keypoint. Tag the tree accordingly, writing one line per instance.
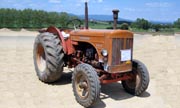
(28, 18)
(141, 24)
(63, 19)
(156, 27)
(177, 23)
(124, 26)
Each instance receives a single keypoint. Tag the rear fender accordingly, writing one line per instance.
(56, 31)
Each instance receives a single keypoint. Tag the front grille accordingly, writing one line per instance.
(119, 44)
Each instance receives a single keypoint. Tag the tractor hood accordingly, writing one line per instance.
(108, 33)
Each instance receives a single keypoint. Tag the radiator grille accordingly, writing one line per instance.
(117, 45)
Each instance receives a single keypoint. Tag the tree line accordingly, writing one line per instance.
(144, 24)
(28, 18)
(141, 24)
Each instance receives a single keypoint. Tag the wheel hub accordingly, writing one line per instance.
(82, 86)
(135, 81)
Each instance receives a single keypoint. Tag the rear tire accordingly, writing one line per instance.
(140, 81)
(48, 57)
(86, 85)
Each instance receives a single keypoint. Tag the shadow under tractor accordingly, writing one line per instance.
(97, 56)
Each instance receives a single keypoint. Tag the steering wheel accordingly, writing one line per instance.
(74, 24)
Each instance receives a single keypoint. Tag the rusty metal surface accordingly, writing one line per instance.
(115, 16)
(120, 68)
(56, 31)
(69, 46)
(106, 79)
(102, 32)
(118, 45)
(111, 40)
(86, 15)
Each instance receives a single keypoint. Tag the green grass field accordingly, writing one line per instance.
(105, 25)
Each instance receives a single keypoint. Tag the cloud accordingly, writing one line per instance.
(78, 5)
(130, 9)
(99, 1)
(54, 1)
(85, 1)
(94, 1)
(158, 4)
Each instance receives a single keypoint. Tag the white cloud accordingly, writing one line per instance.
(99, 1)
(78, 4)
(54, 1)
(94, 1)
(33, 5)
(130, 9)
(85, 1)
(158, 4)
(18, 6)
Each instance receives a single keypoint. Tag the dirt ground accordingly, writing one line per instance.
(20, 87)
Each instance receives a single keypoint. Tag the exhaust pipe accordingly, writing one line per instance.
(86, 16)
(115, 16)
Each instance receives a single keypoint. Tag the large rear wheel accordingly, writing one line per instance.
(48, 57)
(86, 85)
(140, 79)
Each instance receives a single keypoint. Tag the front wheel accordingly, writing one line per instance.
(140, 79)
(86, 85)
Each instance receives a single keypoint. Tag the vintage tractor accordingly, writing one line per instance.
(97, 56)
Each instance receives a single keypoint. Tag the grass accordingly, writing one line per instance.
(105, 25)
(99, 25)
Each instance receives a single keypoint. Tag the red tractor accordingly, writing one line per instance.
(97, 56)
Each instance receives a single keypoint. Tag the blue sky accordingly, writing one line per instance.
(156, 10)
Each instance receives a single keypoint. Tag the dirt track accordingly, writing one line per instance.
(20, 87)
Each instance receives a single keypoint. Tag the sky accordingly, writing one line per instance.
(154, 10)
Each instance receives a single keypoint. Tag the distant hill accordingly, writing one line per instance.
(120, 20)
(102, 18)
(161, 22)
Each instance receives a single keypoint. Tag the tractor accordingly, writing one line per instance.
(97, 57)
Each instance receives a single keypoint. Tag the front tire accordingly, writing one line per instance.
(48, 57)
(140, 81)
(86, 85)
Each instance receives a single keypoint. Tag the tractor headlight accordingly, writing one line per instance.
(104, 52)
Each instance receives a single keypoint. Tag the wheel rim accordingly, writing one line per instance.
(41, 58)
(135, 81)
(138, 80)
(82, 85)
